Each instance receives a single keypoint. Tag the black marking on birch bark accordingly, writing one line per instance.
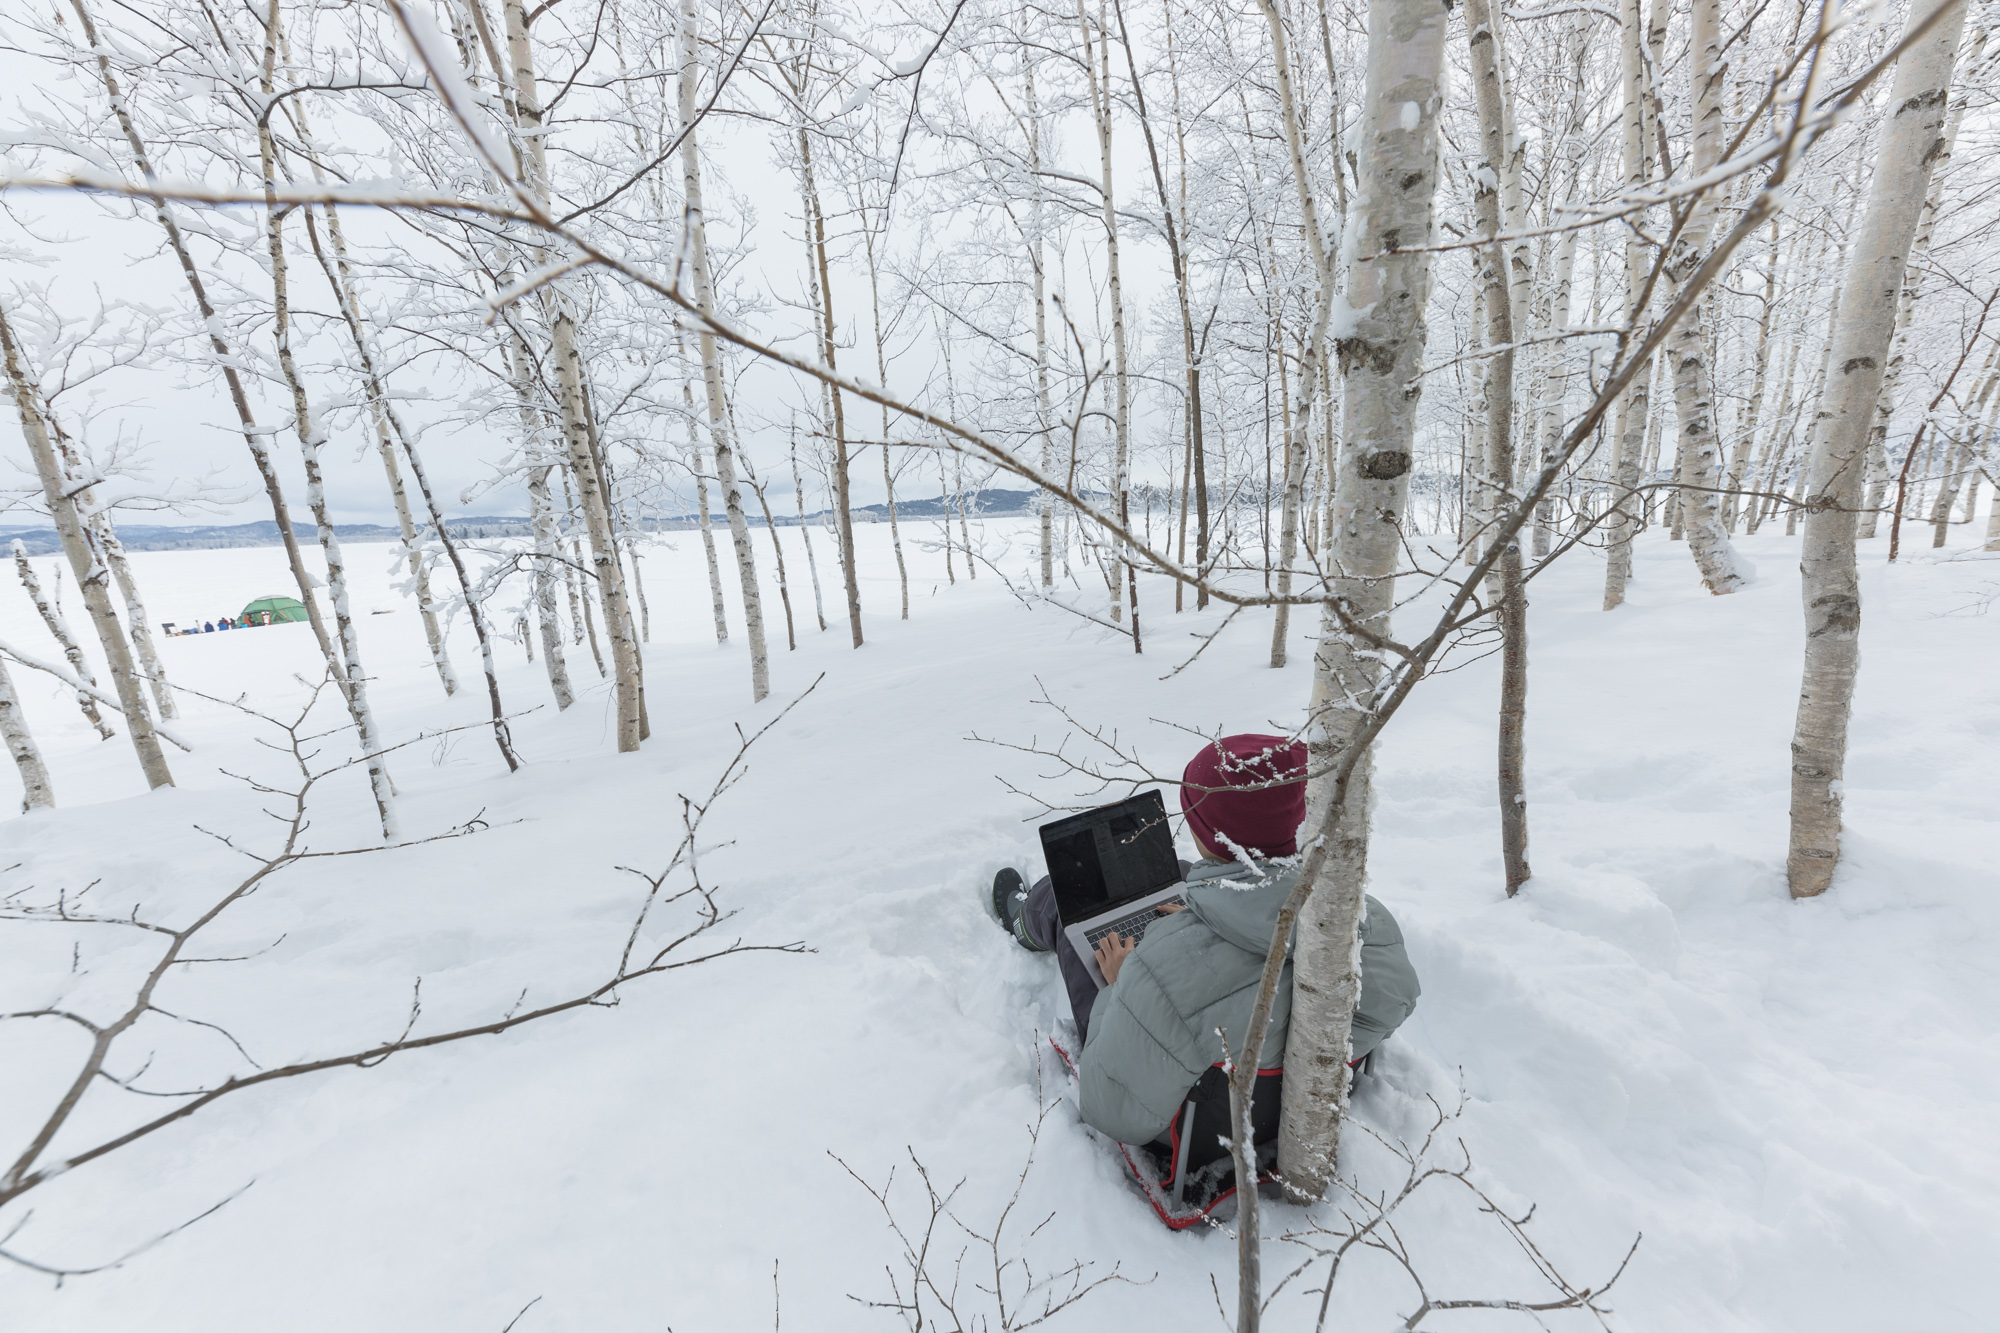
(1386, 465)
(1839, 613)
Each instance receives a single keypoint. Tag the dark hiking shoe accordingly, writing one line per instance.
(1010, 900)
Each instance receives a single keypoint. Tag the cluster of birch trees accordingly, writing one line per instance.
(1293, 304)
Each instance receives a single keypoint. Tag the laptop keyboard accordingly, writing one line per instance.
(1133, 925)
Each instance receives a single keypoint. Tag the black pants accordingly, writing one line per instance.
(1045, 928)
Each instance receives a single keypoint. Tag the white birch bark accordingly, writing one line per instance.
(72, 651)
(1739, 459)
(1489, 217)
(340, 276)
(1097, 73)
(698, 465)
(1381, 355)
(1555, 378)
(1979, 418)
(62, 500)
(822, 287)
(1043, 416)
(1912, 139)
(1688, 347)
(711, 368)
(1298, 429)
(37, 792)
(104, 535)
(1892, 375)
(354, 688)
(592, 493)
(542, 523)
(1629, 428)
(805, 535)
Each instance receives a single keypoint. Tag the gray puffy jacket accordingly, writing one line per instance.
(1152, 1033)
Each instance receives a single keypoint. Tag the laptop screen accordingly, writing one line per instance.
(1102, 857)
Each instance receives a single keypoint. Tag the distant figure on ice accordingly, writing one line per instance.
(208, 627)
(1172, 963)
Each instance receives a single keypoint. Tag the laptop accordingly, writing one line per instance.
(1112, 869)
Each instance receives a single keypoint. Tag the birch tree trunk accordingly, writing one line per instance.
(1555, 380)
(37, 793)
(1298, 431)
(137, 620)
(592, 491)
(1178, 262)
(1885, 407)
(1966, 454)
(253, 435)
(1739, 460)
(711, 368)
(1044, 419)
(1912, 139)
(823, 286)
(355, 687)
(882, 378)
(699, 467)
(1097, 73)
(340, 276)
(805, 535)
(1688, 350)
(1488, 200)
(1379, 359)
(1629, 426)
(72, 651)
(91, 575)
(541, 522)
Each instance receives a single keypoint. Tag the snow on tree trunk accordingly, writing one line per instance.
(59, 493)
(1381, 351)
(1912, 139)
(36, 791)
(711, 367)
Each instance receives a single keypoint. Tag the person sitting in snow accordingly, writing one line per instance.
(1150, 1035)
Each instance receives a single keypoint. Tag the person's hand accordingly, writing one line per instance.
(1113, 950)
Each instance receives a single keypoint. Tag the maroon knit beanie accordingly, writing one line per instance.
(1264, 820)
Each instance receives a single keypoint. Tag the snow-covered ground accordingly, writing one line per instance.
(1792, 1101)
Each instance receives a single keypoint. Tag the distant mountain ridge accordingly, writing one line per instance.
(476, 527)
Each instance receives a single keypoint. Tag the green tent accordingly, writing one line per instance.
(273, 611)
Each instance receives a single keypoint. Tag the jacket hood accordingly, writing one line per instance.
(1239, 906)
